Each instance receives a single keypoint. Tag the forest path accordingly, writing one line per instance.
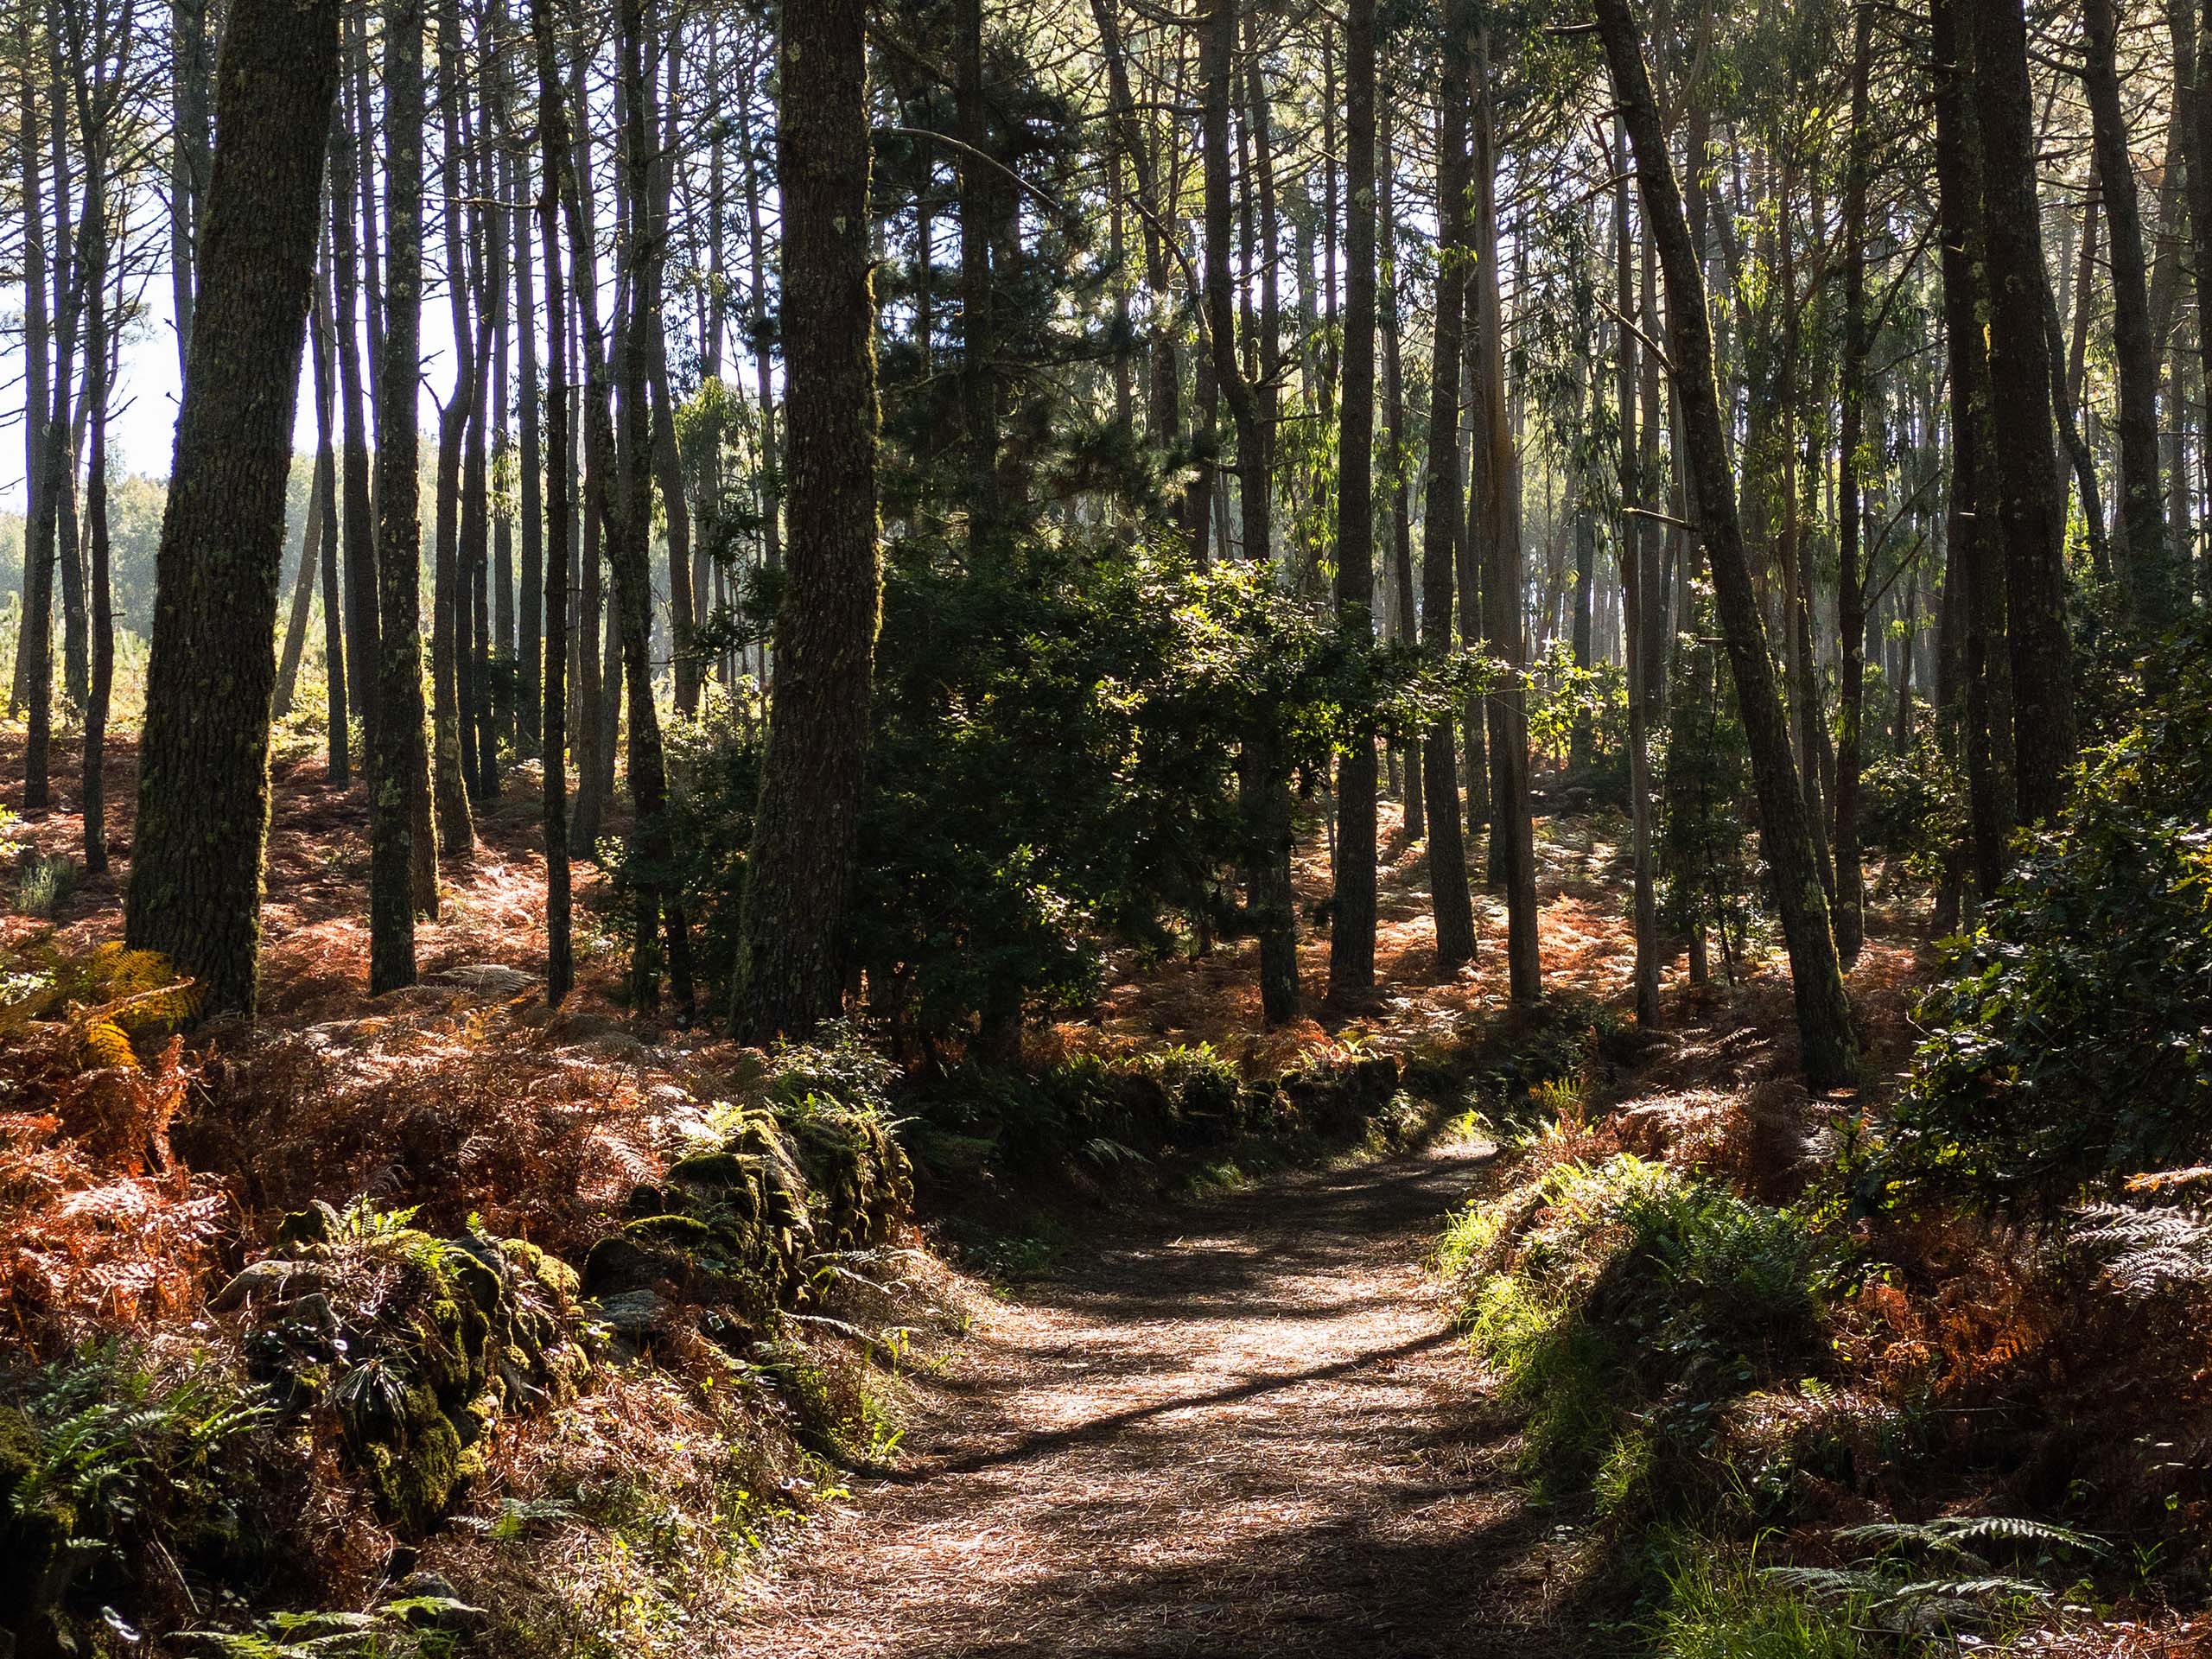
(1240, 1426)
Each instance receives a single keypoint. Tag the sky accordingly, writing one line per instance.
(142, 423)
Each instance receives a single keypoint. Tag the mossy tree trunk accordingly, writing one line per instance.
(399, 778)
(203, 790)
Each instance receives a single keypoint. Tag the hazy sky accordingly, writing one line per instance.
(141, 429)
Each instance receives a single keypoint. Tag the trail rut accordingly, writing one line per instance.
(1239, 1427)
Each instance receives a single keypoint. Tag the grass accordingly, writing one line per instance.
(45, 882)
(1723, 1606)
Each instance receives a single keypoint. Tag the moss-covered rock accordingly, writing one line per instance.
(413, 1346)
(734, 1226)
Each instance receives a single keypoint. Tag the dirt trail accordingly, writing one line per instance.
(1242, 1428)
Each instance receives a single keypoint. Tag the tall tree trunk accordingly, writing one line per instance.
(31, 637)
(532, 660)
(1973, 591)
(1449, 897)
(402, 838)
(979, 187)
(1497, 466)
(553, 134)
(1850, 579)
(99, 364)
(667, 462)
(1393, 443)
(456, 832)
(596, 689)
(1261, 787)
(361, 629)
(2030, 505)
(763, 335)
(310, 564)
(651, 848)
(2200, 177)
(790, 968)
(203, 788)
(2145, 558)
(1351, 935)
(1824, 1022)
(338, 751)
(1634, 548)
(189, 159)
(69, 276)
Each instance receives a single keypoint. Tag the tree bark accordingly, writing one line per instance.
(2029, 510)
(1449, 897)
(402, 838)
(1497, 464)
(1634, 548)
(537, 513)
(553, 134)
(456, 832)
(203, 791)
(652, 848)
(338, 751)
(31, 636)
(98, 361)
(1973, 591)
(2146, 559)
(1851, 579)
(1351, 934)
(1395, 446)
(805, 837)
(361, 631)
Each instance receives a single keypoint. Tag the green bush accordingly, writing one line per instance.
(107, 1454)
(2070, 1043)
(1621, 1300)
(1709, 875)
(1913, 807)
(44, 883)
(1051, 769)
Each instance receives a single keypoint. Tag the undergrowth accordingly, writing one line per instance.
(1781, 1459)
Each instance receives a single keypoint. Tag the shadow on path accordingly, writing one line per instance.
(1240, 1427)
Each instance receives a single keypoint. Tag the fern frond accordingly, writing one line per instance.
(107, 1045)
(1963, 1590)
(2148, 1249)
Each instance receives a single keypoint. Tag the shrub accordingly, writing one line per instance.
(1913, 807)
(109, 1454)
(2068, 1044)
(1622, 1298)
(1055, 735)
(1708, 874)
